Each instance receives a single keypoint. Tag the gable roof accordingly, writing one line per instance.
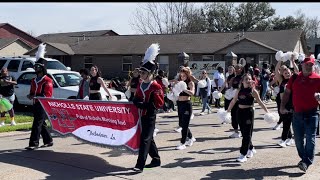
(73, 37)
(247, 39)
(7, 24)
(61, 47)
(285, 40)
(4, 42)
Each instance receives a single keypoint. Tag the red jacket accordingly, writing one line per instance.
(153, 95)
(42, 88)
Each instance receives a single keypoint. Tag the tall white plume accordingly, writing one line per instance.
(151, 53)
(41, 51)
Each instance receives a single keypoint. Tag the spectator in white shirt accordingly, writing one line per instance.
(219, 79)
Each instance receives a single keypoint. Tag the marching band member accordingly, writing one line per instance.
(148, 98)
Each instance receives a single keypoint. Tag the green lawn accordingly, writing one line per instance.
(20, 117)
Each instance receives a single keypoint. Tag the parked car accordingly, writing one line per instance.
(65, 84)
(16, 65)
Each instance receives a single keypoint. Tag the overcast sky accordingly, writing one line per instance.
(42, 18)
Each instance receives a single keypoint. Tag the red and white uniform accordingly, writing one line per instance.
(153, 94)
(42, 88)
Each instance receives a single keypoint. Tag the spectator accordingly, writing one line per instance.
(204, 92)
(7, 83)
(218, 83)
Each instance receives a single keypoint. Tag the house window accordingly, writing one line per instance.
(263, 58)
(88, 62)
(207, 57)
(163, 63)
(126, 63)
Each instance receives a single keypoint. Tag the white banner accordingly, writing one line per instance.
(210, 66)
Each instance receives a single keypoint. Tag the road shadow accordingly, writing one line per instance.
(60, 165)
(257, 174)
(117, 152)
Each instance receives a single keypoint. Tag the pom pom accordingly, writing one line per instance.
(279, 55)
(216, 94)
(295, 55)
(271, 117)
(301, 57)
(179, 87)
(151, 53)
(128, 93)
(318, 57)
(41, 51)
(202, 83)
(172, 97)
(276, 90)
(165, 82)
(5, 105)
(224, 116)
(230, 93)
(287, 56)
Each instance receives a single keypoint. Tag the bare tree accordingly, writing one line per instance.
(311, 25)
(31, 33)
(165, 18)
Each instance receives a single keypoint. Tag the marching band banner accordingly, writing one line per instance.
(210, 66)
(100, 122)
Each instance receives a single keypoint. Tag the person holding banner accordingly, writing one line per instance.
(148, 98)
(133, 82)
(41, 86)
(84, 84)
(95, 84)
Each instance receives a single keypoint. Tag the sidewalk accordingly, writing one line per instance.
(212, 156)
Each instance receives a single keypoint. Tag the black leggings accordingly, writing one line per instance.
(245, 118)
(278, 101)
(95, 96)
(286, 131)
(184, 113)
(234, 117)
(226, 103)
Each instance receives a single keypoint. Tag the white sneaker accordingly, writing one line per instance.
(190, 141)
(181, 146)
(179, 129)
(155, 132)
(13, 123)
(235, 135)
(282, 144)
(250, 153)
(242, 158)
(201, 114)
(2, 123)
(289, 142)
(277, 127)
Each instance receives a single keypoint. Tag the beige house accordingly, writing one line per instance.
(116, 55)
(13, 47)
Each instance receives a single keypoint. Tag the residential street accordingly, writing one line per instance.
(212, 156)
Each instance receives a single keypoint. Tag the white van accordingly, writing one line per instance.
(16, 65)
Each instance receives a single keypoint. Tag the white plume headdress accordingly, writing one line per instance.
(41, 51)
(151, 53)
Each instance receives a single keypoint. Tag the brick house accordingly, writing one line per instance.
(117, 54)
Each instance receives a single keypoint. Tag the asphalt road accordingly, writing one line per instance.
(212, 156)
